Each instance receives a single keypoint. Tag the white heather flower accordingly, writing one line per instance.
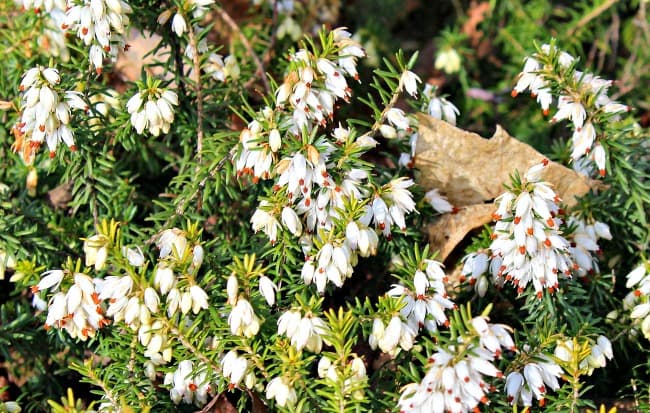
(151, 299)
(410, 82)
(234, 368)
(100, 24)
(231, 67)
(51, 280)
(388, 131)
(451, 383)
(96, 250)
(134, 256)
(197, 256)
(304, 332)
(242, 319)
(267, 289)
(527, 242)
(599, 157)
(232, 289)
(448, 60)
(45, 113)
(291, 220)
(281, 390)
(172, 242)
(199, 299)
(398, 118)
(187, 386)
(76, 310)
(390, 337)
(164, 279)
(521, 387)
(438, 202)
(265, 221)
(275, 140)
(569, 109)
(153, 110)
(179, 25)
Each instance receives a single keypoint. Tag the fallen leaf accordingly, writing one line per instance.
(60, 196)
(450, 229)
(470, 171)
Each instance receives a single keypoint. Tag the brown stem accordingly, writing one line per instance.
(196, 63)
(590, 16)
(249, 49)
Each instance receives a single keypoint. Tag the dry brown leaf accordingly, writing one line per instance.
(470, 171)
(60, 196)
(451, 229)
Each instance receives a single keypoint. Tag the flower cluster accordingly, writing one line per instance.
(584, 242)
(533, 380)
(455, 379)
(353, 372)
(314, 83)
(235, 368)
(281, 389)
(390, 337)
(45, 113)
(475, 266)
(304, 331)
(100, 24)
(425, 306)
(77, 310)
(222, 69)
(582, 98)
(638, 299)
(527, 243)
(197, 8)
(152, 109)
(312, 192)
(599, 352)
(89, 303)
(242, 319)
(190, 384)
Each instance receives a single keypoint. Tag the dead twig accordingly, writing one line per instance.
(590, 16)
(249, 49)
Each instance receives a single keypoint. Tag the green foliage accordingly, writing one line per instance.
(245, 245)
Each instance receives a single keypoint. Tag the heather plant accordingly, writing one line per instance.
(238, 224)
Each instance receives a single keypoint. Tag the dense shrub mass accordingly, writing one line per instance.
(226, 206)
